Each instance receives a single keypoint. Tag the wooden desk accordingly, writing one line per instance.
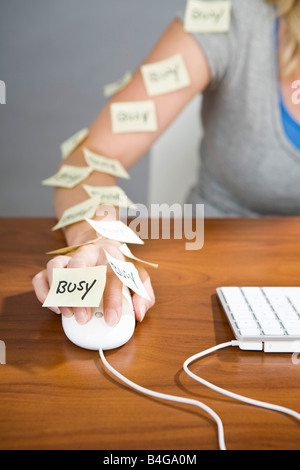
(54, 395)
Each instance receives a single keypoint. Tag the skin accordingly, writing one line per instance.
(128, 149)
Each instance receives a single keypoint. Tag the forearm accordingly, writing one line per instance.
(129, 147)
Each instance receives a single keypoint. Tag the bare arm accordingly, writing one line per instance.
(127, 148)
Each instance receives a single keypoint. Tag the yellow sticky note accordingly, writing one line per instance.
(112, 88)
(126, 252)
(76, 287)
(133, 116)
(105, 165)
(165, 76)
(113, 195)
(115, 230)
(69, 145)
(78, 212)
(128, 275)
(69, 249)
(207, 17)
(68, 176)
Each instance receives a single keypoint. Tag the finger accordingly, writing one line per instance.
(140, 304)
(41, 288)
(58, 262)
(84, 257)
(112, 299)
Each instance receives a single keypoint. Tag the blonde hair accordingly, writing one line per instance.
(289, 13)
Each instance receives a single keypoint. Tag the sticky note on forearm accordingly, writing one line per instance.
(113, 88)
(69, 145)
(113, 195)
(68, 176)
(78, 212)
(128, 275)
(76, 287)
(104, 164)
(133, 116)
(207, 17)
(115, 230)
(165, 76)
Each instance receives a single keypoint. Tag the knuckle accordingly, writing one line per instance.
(56, 262)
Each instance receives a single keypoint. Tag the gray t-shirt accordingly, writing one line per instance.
(249, 167)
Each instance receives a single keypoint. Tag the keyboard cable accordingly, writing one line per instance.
(199, 404)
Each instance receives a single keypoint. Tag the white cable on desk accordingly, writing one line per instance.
(201, 405)
(250, 401)
(164, 396)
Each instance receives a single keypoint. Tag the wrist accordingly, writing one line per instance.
(82, 232)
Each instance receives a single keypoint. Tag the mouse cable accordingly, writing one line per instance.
(173, 398)
(247, 400)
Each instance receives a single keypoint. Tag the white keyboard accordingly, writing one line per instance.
(264, 318)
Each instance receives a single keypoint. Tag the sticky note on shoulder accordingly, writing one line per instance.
(207, 17)
(165, 76)
(69, 145)
(133, 116)
(76, 287)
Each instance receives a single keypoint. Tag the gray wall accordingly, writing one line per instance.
(55, 58)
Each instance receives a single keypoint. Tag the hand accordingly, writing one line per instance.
(93, 255)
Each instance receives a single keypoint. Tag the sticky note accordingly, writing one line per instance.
(69, 249)
(76, 287)
(133, 116)
(115, 230)
(69, 145)
(112, 88)
(104, 164)
(126, 252)
(207, 17)
(128, 275)
(113, 195)
(165, 76)
(78, 212)
(68, 176)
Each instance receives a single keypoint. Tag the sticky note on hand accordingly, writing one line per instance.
(207, 17)
(165, 76)
(126, 252)
(133, 116)
(76, 287)
(128, 275)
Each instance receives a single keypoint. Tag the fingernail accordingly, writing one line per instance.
(111, 317)
(55, 310)
(142, 312)
(66, 312)
(81, 316)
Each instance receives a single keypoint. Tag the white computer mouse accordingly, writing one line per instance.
(96, 334)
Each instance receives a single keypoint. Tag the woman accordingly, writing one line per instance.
(251, 147)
